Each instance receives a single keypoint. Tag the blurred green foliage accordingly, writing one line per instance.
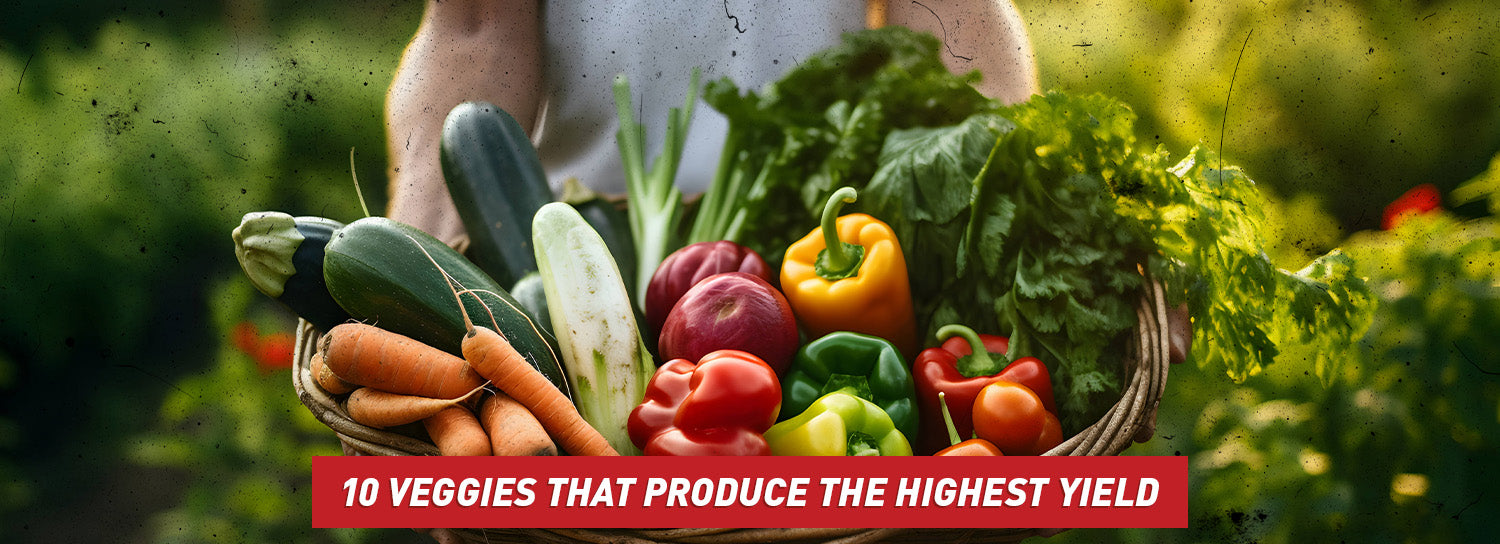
(1402, 447)
(132, 149)
(1355, 101)
(1337, 108)
(245, 442)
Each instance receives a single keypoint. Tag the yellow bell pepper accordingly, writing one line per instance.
(860, 285)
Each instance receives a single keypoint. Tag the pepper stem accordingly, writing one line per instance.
(839, 257)
(978, 362)
(953, 438)
(861, 445)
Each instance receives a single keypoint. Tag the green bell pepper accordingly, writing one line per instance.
(872, 367)
(838, 423)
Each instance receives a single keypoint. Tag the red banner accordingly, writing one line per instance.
(750, 492)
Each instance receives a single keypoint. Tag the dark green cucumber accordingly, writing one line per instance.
(497, 183)
(283, 256)
(377, 270)
(533, 299)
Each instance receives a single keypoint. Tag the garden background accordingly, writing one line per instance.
(144, 395)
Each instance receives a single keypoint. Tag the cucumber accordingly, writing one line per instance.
(376, 269)
(592, 313)
(608, 219)
(533, 299)
(497, 183)
(283, 257)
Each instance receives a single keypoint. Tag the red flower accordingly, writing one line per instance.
(1421, 199)
(245, 336)
(275, 352)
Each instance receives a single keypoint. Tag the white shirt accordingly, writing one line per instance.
(656, 44)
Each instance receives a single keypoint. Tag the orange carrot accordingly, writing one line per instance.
(326, 379)
(456, 431)
(492, 356)
(512, 429)
(376, 408)
(496, 360)
(374, 357)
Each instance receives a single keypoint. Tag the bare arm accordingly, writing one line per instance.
(984, 35)
(464, 50)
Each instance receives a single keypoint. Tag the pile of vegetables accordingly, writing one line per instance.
(883, 255)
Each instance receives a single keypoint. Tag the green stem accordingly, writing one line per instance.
(710, 209)
(978, 362)
(838, 257)
(631, 148)
(953, 438)
(847, 390)
(861, 445)
(655, 202)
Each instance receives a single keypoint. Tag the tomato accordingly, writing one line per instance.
(1051, 435)
(973, 447)
(1011, 416)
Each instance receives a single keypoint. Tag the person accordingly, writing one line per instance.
(551, 65)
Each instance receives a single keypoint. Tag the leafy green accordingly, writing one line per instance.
(1394, 448)
(1039, 220)
(1243, 307)
(933, 211)
(1055, 226)
(1033, 236)
(1485, 187)
(820, 127)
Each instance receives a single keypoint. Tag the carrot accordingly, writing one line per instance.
(374, 357)
(456, 431)
(375, 408)
(495, 359)
(512, 429)
(326, 379)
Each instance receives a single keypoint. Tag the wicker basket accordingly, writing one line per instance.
(1131, 419)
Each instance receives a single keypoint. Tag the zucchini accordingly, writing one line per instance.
(533, 299)
(376, 269)
(283, 256)
(608, 365)
(497, 183)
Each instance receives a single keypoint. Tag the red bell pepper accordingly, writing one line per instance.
(719, 406)
(960, 370)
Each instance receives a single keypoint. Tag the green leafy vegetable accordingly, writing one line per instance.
(1034, 236)
(821, 127)
(923, 188)
(1484, 187)
(1243, 307)
(1039, 220)
(1056, 224)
